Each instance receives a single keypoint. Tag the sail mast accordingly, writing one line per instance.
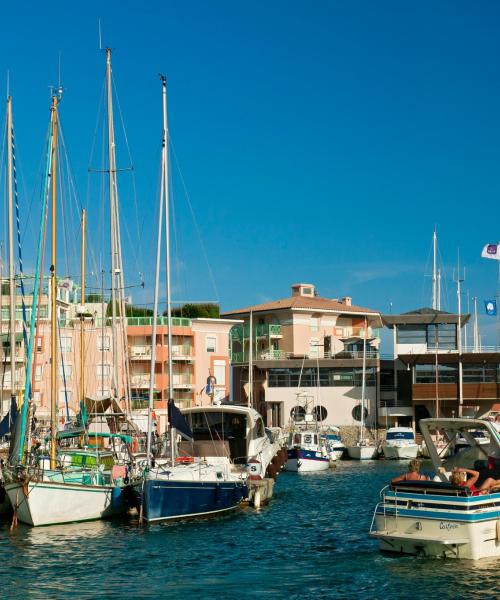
(434, 272)
(82, 313)
(12, 282)
(363, 384)
(155, 300)
(53, 288)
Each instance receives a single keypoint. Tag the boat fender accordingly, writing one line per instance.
(498, 531)
(256, 499)
(184, 459)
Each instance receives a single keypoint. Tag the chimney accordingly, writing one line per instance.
(347, 300)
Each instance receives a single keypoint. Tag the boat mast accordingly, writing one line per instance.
(434, 271)
(53, 287)
(157, 284)
(476, 329)
(117, 278)
(82, 313)
(363, 385)
(12, 282)
(250, 364)
(112, 191)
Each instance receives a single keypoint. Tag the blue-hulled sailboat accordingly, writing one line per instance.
(182, 487)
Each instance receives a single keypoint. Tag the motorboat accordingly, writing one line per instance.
(334, 444)
(363, 450)
(435, 518)
(400, 443)
(307, 451)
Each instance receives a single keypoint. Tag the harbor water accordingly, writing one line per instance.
(310, 542)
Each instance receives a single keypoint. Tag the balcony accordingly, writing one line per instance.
(182, 382)
(269, 330)
(140, 352)
(449, 391)
(146, 321)
(140, 380)
(272, 354)
(182, 353)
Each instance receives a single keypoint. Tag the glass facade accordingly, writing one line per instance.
(440, 335)
(328, 377)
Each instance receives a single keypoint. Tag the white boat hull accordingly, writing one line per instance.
(303, 465)
(362, 452)
(46, 503)
(400, 452)
(438, 538)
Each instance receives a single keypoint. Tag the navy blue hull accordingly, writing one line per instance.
(163, 499)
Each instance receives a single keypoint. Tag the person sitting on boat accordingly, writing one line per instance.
(413, 473)
(457, 478)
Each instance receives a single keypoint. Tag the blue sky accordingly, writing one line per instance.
(319, 142)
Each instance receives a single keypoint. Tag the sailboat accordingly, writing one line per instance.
(53, 491)
(364, 449)
(182, 488)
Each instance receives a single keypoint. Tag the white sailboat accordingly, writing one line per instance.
(364, 449)
(57, 492)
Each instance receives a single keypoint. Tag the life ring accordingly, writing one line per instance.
(184, 459)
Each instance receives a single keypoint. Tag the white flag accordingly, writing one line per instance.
(491, 251)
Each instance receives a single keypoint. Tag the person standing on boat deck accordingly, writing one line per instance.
(487, 485)
(413, 473)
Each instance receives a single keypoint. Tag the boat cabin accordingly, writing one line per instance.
(396, 434)
(224, 431)
(303, 439)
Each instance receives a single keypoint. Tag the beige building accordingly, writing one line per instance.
(296, 338)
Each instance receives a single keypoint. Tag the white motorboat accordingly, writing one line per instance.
(435, 518)
(334, 444)
(400, 443)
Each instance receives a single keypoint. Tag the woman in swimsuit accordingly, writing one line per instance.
(487, 485)
(413, 473)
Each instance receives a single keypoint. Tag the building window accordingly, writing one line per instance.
(66, 344)
(298, 413)
(65, 371)
(37, 397)
(328, 377)
(314, 324)
(427, 374)
(411, 334)
(442, 335)
(103, 343)
(39, 344)
(320, 413)
(211, 343)
(38, 372)
(103, 371)
(220, 371)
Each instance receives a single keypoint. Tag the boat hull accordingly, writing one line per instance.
(306, 461)
(46, 503)
(436, 524)
(400, 452)
(362, 452)
(171, 499)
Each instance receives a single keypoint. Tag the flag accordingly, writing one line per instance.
(491, 307)
(176, 419)
(491, 251)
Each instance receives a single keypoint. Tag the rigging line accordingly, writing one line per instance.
(63, 372)
(61, 205)
(19, 251)
(198, 231)
(127, 146)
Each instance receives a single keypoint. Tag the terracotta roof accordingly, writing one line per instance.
(313, 303)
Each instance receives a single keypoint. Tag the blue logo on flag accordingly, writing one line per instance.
(492, 248)
(491, 307)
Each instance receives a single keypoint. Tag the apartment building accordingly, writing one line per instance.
(200, 350)
(311, 345)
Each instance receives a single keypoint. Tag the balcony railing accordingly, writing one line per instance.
(240, 332)
(140, 351)
(146, 321)
(271, 354)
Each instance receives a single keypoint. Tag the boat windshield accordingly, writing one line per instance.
(400, 435)
(221, 426)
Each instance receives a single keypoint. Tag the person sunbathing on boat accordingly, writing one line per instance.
(413, 473)
(457, 478)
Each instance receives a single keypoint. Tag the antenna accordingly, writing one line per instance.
(8, 83)
(100, 35)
